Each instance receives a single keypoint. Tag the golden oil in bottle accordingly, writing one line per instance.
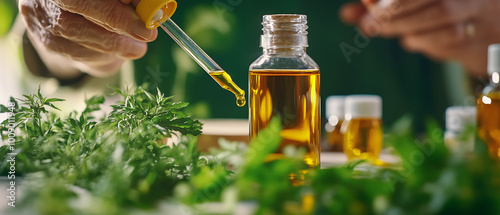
(284, 81)
(488, 121)
(488, 104)
(227, 83)
(363, 139)
(334, 139)
(363, 136)
(293, 95)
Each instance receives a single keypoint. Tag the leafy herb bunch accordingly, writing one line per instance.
(118, 160)
(117, 164)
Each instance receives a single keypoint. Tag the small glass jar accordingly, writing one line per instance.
(363, 127)
(458, 120)
(334, 112)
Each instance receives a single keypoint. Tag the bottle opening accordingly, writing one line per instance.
(284, 31)
(285, 18)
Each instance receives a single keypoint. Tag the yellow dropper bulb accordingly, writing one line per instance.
(146, 9)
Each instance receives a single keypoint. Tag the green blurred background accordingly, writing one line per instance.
(8, 11)
(229, 31)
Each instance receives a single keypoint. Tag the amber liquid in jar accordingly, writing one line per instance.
(294, 96)
(334, 137)
(488, 121)
(363, 139)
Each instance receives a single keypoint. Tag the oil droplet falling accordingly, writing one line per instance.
(227, 83)
(240, 100)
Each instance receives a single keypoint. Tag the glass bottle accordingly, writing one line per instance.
(334, 112)
(456, 136)
(488, 104)
(363, 127)
(284, 81)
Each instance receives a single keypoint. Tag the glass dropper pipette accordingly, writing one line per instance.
(198, 55)
(156, 13)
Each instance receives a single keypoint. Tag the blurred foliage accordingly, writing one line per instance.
(428, 180)
(8, 12)
(116, 165)
(208, 29)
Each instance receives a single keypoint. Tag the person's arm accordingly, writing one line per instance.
(90, 36)
(441, 29)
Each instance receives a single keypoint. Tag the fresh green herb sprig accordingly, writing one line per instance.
(120, 159)
(160, 111)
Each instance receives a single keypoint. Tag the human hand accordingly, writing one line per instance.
(96, 36)
(441, 29)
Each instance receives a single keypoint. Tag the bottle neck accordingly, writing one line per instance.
(294, 51)
(284, 34)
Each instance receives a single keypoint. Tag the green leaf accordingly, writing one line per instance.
(52, 106)
(267, 141)
(93, 104)
(50, 100)
(4, 109)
